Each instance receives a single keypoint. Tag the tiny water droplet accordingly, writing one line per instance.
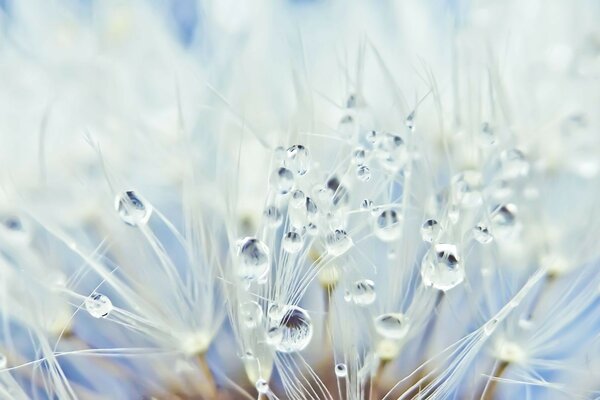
(251, 314)
(132, 208)
(359, 156)
(366, 204)
(513, 164)
(282, 180)
(362, 292)
(297, 199)
(503, 217)
(371, 136)
(298, 159)
(3, 361)
(363, 173)
(296, 330)
(262, 386)
(388, 225)
(490, 327)
(273, 216)
(441, 268)
(292, 242)
(430, 230)
(392, 325)
(338, 242)
(466, 188)
(340, 370)
(482, 234)
(254, 259)
(98, 305)
(487, 136)
(15, 230)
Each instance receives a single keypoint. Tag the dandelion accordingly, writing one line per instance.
(299, 200)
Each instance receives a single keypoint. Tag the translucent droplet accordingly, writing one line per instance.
(359, 156)
(3, 361)
(362, 292)
(311, 208)
(262, 386)
(371, 136)
(513, 164)
(430, 230)
(466, 188)
(298, 159)
(274, 336)
(132, 208)
(297, 199)
(15, 230)
(490, 327)
(275, 311)
(391, 152)
(363, 173)
(366, 204)
(282, 180)
(273, 216)
(482, 234)
(487, 136)
(311, 229)
(251, 314)
(292, 242)
(388, 225)
(279, 153)
(98, 305)
(296, 330)
(341, 371)
(392, 325)
(337, 192)
(410, 121)
(254, 259)
(504, 215)
(338, 242)
(441, 267)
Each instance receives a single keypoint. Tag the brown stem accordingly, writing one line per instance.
(211, 386)
(492, 384)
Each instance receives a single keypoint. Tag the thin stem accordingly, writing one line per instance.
(492, 383)
(211, 386)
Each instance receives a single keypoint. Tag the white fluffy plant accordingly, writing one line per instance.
(303, 200)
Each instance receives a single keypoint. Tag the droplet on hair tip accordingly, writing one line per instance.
(98, 305)
(132, 208)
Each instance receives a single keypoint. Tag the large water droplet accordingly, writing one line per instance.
(132, 208)
(292, 242)
(388, 225)
(341, 371)
(430, 230)
(251, 314)
(296, 330)
(441, 267)
(282, 180)
(98, 305)
(338, 242)
(392, 325)
(298, 159)
(254, 259)
(362, 292)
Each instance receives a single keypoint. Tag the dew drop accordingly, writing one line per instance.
(254, 259)
(503, 216)
(338, 242)
(430, 230)
(3, 361)
(282, 180)
(410, 121)
(366, 204)
(296, 330)
(391, 152)
(362, 292)
(292, 242)
(297, 199)
(341, 371)
(482, 234)
(513, 164)
(15, 230)
(298, 159)
(98, 305)
(487, 136)
(132, 208)
(273, 216)
(388, 225)
(371, 137)
(359, 156)
(274, 336)
(466, 188)
(392, 325)
(441, 268)
(363, 173)
(262, 386)
(251, 314)
(490, 327)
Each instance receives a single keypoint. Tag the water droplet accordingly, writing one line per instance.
(297, 199)
(274, 336)
(311, 208)
(371, 136)
(254, 259)
(410, 121)
(362, 292)
(15, 230)
(359, 156)
(132, 208)
(363, 173)
(391, 152)
(98, 305)
(296, 330)
(366, 204)
(273, 216)
(388, 225)
(466, 188)
(340, 370)
(251, 314)
(338, 242)
(513, 164)
(262, 386)
(490, 327)
(487, 136)
(503, 217)
(298, 159)
(282, 180)
(482, 234)
(292, 242)
(3, 361)
(430, 230)
(441, 267)
(392, 325)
